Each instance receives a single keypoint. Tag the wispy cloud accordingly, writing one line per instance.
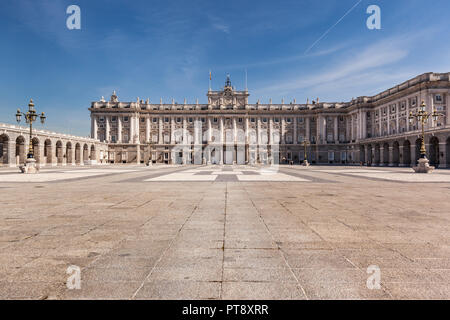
(380, 54)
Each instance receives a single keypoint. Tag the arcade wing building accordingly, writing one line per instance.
(229, 130)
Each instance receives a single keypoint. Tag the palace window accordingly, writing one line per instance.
(288, 120)
(155, 120)
(191, 120)
(178, 120)
(276, 119)
(142, 119)
(166, 119)
(264, 119)
(113, 138)
(203, 120)
(438, 98)
(215, 120)
(300, 120)
(101, 119)
(240, 120)
(113, 119)
(252, 119)
(125, 119)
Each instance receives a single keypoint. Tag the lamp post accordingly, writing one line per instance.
(305, 156)
(30, 117)
(422, 117)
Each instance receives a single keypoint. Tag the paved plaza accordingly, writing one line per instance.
(224, 232)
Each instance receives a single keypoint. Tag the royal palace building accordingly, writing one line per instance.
(228, 130)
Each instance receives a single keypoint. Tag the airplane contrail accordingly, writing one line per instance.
(332, 27)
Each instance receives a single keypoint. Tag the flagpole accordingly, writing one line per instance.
(209, 79)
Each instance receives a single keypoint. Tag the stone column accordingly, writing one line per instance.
(221, 140)
(209, 130)
(283, 130)
(382, 151)
(107, 129)
(132, 128)
(147, 129)
(364, 125)
(295, 138)
(336, 131)
(234, 130)
(172, 130)
(11, 157)
(246, 131)
(160, 130)
(308, 125)
(94, 127)
(270, 131)
(119, 129)
(391, 156)
(185, 141)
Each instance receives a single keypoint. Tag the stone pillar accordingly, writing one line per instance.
(401, 156)
(336, 131)
(363, 125)
(221, 128)
(270, 131)
(295, 138)
(107, 129)
(391, 156)
(94, 127)
(283, 130)
(132, 129)
(318, 130)
(246, 131)
(147, 129)
(186, 147)
(11, 157)
(234, 130)
(352, 135)
(209, 130)
(172, 130)
(119, 129)
(308, 129)
(382, 151)
(160, 130)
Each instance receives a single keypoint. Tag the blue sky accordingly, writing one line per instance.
(165, 49)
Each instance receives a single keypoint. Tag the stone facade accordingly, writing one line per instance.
(370, 130)
(50, 148)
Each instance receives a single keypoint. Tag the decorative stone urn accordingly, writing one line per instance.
(30, 166)
(423, 166)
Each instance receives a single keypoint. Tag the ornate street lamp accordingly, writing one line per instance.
(422, 117)
(30, 117)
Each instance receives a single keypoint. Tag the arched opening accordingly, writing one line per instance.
(396, 154)
(434, 152)
(77, 154)
(386, 154)
(417, 153)
(369, 155)
(85, 153)
(447, 151)
(48, 151)
(92, 156)
(59, 153)
(407, 153)
(20, 150)
(36, 151)
(377, 154)
(362, 154)
(4, 151)
(69, 153)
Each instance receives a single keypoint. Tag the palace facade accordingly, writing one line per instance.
(228, 130)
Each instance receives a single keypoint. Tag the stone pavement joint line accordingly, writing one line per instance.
(225, 238)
